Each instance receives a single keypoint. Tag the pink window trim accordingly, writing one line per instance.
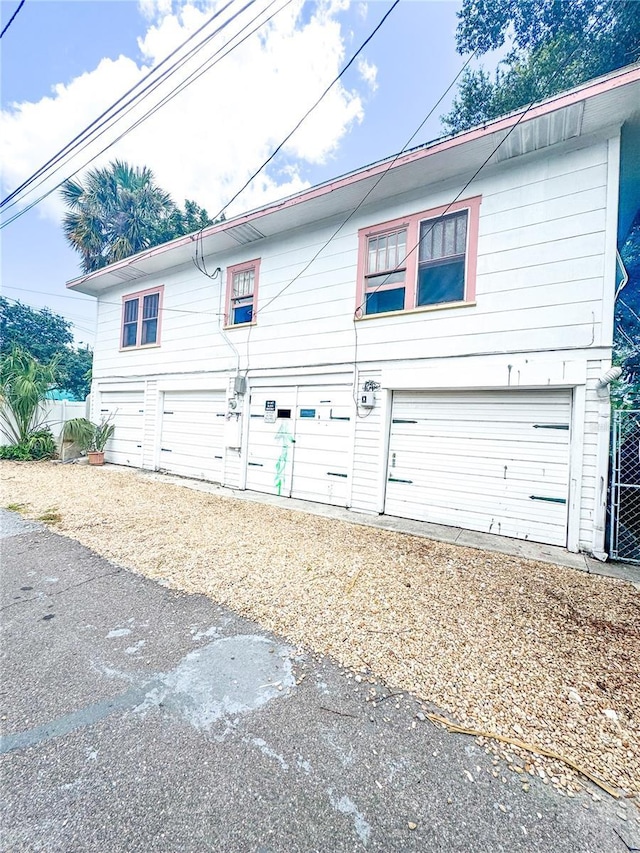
(231, 271)
(140, 297)
(412, 224)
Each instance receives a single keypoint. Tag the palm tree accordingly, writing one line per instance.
(118, 211)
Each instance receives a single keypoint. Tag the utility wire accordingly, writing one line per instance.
(12, 18)
(88, 130)
(279, 147)
(77, 296)
(481, 167)
(358, 311)
(167, 98)
(84, 139)
(381, 177)
(172, 94)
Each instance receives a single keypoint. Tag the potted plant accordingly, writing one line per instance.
(91, 438)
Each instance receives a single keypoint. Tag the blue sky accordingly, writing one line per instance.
(64, 62)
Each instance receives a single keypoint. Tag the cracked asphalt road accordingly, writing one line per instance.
(135, 718)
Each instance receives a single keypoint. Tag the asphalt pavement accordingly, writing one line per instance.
(136, 718)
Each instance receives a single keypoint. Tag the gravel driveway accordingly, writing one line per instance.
(523, 649)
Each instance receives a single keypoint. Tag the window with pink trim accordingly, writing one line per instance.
(422, 260)
(242, 293)
(141, 319)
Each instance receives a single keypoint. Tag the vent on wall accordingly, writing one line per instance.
(542, 132)
(244, 233)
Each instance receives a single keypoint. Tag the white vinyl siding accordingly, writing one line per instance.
(192, 437)
(494, 461)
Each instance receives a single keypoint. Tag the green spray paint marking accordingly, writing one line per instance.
(283, 435)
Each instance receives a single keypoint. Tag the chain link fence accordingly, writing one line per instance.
(624, 531)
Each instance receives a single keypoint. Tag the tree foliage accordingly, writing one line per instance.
(42, 333)
(553, 45)
(119, 210)
(45, 336)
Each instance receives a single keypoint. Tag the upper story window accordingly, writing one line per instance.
(386, 271)
(242, 292)
(426, 259)
(141, 319)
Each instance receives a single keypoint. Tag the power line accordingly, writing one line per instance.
(85, 132)
(90, 134)
(12, 18)
(279, 147)
(150, 112)
(453, 201)
(102, 301)
(372, 188)
(480, 168)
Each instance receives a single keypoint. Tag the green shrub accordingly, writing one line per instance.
(39, 445)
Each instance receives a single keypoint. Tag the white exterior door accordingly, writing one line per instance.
(494, 461)
(126, 410)
(192, 437)
(271, 439)
(321, 451)
(299, 441)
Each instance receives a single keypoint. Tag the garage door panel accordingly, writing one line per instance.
(508, 469)
(465, 517)
(192, 435)
(490, 461)
(512, 504)
(126, 411)
(471, 431)
(536, 528)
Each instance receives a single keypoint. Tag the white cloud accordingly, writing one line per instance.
(368, 72)
(205, 143)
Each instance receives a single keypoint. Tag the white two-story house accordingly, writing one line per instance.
(427, 337)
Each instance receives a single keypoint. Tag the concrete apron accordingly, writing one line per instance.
(137, 718)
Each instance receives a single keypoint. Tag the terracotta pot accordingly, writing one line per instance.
(95, 457)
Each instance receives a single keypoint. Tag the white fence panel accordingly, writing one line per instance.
(53, 414)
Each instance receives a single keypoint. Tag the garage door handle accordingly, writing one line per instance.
(398, 480)
(551, 426)
(165, 450)
(256, 464)
(333, 417)
(335, 474)
(549, 500)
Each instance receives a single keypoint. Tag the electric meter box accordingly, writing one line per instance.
(367, 399)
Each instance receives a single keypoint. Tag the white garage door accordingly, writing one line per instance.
(126, 408)
(491, 461)
(302, 449)
(192, 440)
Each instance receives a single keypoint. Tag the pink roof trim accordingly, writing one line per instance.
(557, 102)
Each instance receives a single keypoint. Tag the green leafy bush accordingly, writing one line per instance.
(39, 445)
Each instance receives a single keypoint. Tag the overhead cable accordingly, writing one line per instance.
(112, 115)
(12, 18)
